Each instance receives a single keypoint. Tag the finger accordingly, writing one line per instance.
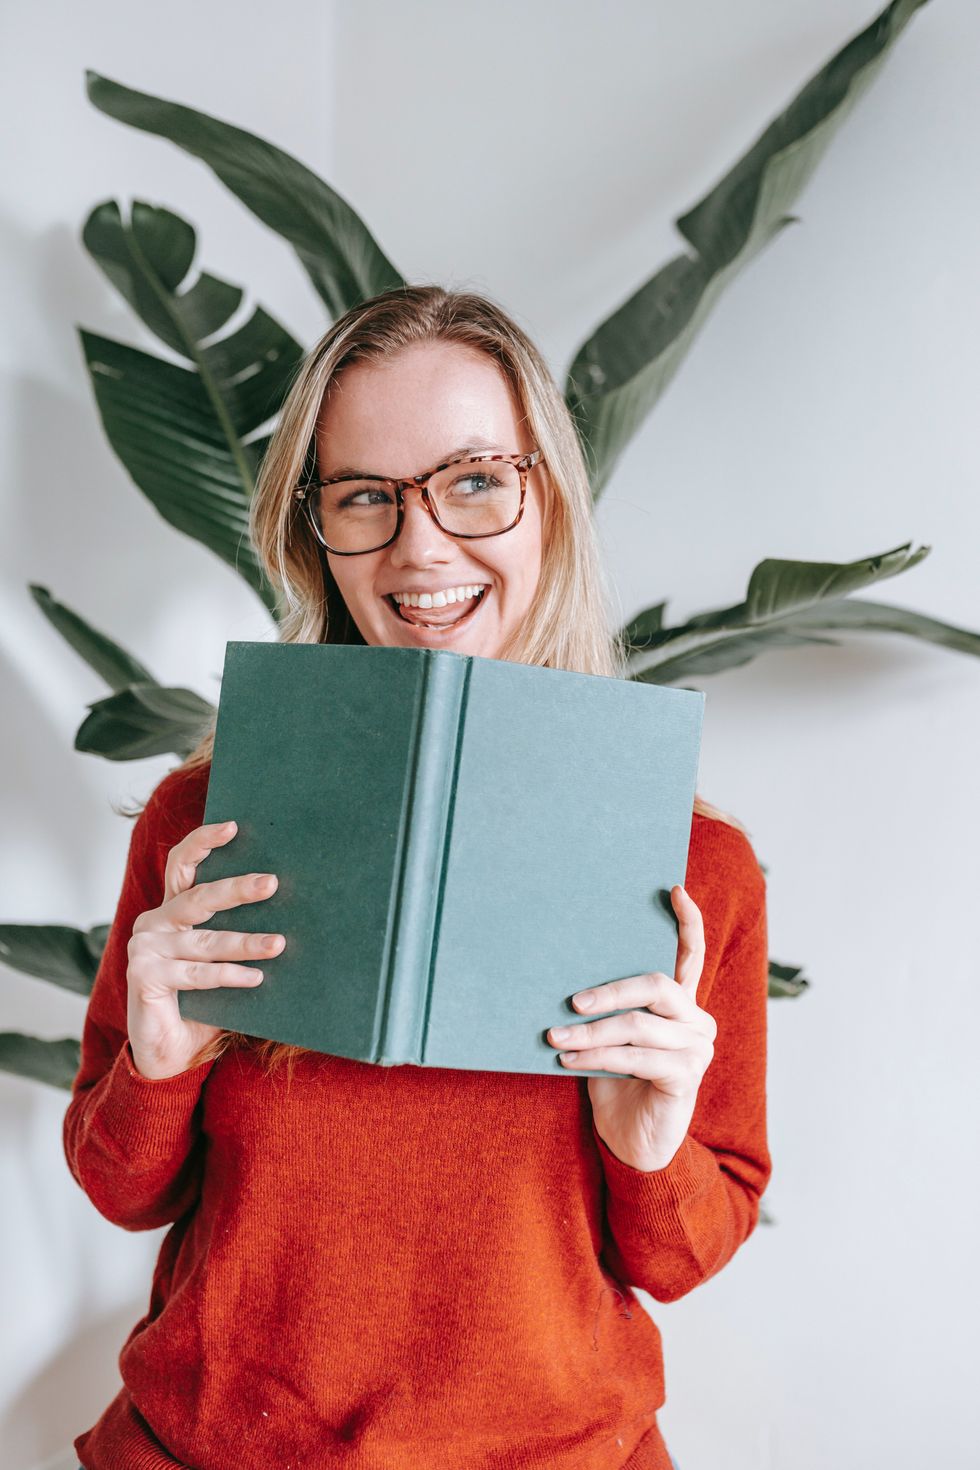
(665, 1068)
(215, 944)
(202, 901)
(153, 978)
(676, 1073)
(205, 975)
(185, 855)
(655, 990)
(631, 1028)
(690, 941)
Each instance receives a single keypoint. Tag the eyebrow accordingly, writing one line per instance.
(475, 446)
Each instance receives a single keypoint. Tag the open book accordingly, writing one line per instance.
(461, 844)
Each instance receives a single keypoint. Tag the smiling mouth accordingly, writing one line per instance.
(474, 605)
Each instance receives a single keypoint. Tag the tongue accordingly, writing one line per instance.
(441, 616)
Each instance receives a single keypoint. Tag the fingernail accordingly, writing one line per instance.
(561, 1033)
(585, 999)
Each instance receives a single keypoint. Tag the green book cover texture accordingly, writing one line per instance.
(461, 843)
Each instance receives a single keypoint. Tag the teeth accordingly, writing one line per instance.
(438, 599)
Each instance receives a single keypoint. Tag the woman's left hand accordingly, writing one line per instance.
(665, 1046)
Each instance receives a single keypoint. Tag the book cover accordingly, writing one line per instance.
(461, 843)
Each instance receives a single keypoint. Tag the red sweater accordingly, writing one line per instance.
(398, 1268)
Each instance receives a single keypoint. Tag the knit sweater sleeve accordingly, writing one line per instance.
(133, 1143)
(670, 1229)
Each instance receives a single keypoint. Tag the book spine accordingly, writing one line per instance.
(430, 784)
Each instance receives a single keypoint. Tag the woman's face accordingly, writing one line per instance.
(399, 418)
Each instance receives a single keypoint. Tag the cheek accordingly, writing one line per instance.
(520, 573)
(533, 555)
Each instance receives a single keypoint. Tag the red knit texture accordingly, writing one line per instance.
(397, 1268)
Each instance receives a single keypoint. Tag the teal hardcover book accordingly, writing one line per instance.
(461, 844)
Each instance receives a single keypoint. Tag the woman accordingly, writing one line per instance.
(409, 1266)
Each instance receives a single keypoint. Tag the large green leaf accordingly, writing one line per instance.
(144, 720)
(160, 421)
(858, 615)
(63, 955)
(776, 588)
(619, 374)
(117, 667)
(190, 439)
(54, 1062)
(147, 260)
(788, 603)
(246, 373)
(341, 256)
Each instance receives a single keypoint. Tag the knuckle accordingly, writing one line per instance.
(148, 921)
(202, 905)
(634, 1022)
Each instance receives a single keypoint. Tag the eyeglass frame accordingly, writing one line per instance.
(522, 462)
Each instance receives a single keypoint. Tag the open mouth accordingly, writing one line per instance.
(449, 625)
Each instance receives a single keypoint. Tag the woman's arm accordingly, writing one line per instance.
(132, 1143)
(670, 1229)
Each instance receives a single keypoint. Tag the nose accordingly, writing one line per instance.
(420, 543)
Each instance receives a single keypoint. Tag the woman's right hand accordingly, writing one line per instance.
(167, 954)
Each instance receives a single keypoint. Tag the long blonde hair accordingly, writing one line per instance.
(567, 624)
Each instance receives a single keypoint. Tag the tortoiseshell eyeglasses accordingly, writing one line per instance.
(471, 496)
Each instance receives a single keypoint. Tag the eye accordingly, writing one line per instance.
(478, 479)
(365, 495)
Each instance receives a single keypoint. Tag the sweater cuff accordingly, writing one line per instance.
(147, 1115)
(655, 1193)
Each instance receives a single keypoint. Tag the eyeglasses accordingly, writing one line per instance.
(352, 514)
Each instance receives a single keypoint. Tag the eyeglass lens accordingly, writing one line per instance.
(470, 498)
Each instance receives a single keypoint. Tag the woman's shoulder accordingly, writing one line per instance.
(725, 880)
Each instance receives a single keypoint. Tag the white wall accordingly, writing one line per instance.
(824, 413)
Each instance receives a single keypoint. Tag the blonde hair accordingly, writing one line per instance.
(567, 625)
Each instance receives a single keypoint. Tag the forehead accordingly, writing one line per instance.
(410, 411)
